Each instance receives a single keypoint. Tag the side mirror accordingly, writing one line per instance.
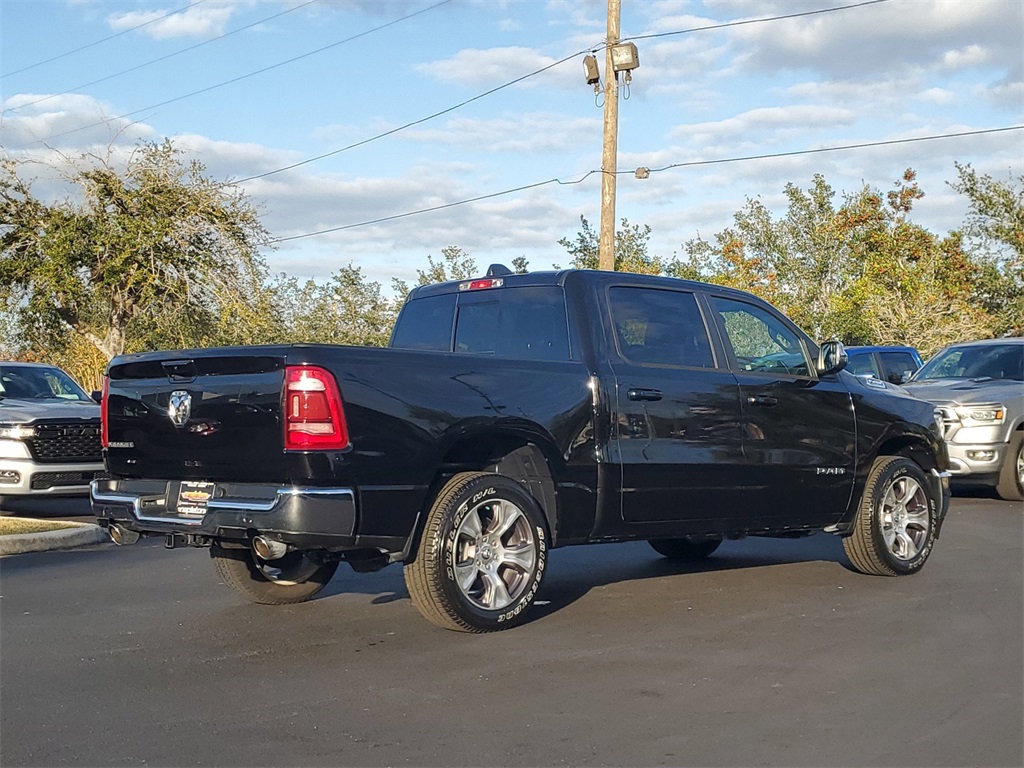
(97, 396)
(832, 357)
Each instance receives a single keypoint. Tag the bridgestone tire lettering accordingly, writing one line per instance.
(866, 546)
(432, 578)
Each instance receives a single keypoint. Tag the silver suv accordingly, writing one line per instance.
(49, 433)
(979, 387)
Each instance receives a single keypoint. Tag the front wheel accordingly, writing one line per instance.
(896, 523)
(294, 578)
(481, 557)
(1011, 477)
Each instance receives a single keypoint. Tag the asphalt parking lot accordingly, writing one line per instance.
(771, 653)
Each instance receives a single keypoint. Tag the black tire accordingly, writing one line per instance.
(687, 549)
(297, 578)
(482, 555)
(1011, 477)
(894, 530)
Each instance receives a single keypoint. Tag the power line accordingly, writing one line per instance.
(103, 40)
(435, 115)
(240, 77)
(719, 161)
(434, 208)
(410, 124)
(727, 24)
(834, 149)
(592, 49)
(163, 58)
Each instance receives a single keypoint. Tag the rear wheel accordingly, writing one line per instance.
(481, 557)
(1011, 476)
(895, 527)
(686, 548)
(294, 578)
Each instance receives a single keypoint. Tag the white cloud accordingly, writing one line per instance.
(200, 20)
(969, 56)
(68, 120)
(937, 96)
(881, 37)
(756, 122)
(490, 67)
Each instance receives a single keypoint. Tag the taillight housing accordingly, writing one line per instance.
(104, 414)
(314, 419)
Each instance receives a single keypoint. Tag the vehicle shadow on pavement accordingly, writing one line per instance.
(573, 572)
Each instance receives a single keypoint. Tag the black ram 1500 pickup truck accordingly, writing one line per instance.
(512, 414)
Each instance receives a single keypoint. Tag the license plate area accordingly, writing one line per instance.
(193, 497)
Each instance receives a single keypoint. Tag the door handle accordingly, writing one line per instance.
(644, 394)
(762, 400)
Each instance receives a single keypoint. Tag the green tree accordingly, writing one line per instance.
(862, 271)
(994, 234)
(154, 247)
(630, 249)
(349, 309)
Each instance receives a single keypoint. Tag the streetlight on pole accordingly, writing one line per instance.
(619, 57)
(610, 148)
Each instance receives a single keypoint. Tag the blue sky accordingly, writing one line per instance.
(98, 76)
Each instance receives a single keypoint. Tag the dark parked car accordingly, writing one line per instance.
(49, 433)
(512, 414)
(889, 363)
(979, 386)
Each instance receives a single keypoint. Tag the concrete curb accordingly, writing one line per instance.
(82, 535)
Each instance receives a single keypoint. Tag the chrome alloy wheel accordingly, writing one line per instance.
(495, 554)
(904, 517)
(1020, 466)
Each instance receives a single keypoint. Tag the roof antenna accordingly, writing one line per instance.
(498, 270)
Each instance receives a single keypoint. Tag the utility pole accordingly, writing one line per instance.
(610, 150)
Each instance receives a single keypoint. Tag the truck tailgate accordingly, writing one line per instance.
(198, 415)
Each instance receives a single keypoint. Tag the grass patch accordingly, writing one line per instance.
(14, 525)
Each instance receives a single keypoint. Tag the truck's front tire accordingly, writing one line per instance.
(482, 555)
(293, 578)
(1011, 477)
(896, 523)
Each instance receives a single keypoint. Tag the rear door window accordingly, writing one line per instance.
(659, 327)
(426, 324)
(527, 323)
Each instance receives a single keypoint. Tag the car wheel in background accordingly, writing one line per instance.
(1011, 477)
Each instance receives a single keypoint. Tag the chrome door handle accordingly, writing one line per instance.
(762, 400)
(644, 394)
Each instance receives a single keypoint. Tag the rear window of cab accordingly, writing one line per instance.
(527, 323)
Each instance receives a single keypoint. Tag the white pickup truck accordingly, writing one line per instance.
(979, 387)
(49, 433)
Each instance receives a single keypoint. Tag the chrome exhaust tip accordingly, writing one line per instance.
(266, 549)
(121, 535)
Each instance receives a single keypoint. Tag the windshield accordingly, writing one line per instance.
(25, 382)
(988, 361)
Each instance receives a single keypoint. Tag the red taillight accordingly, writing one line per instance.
(313, 416)
(104, 411)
